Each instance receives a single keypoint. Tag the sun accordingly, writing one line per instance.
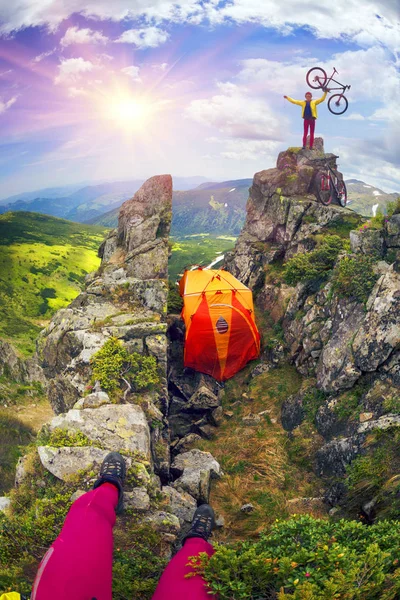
(127, 112)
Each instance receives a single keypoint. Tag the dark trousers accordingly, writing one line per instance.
(309, 123)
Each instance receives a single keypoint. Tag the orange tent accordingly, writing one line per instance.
(221, 335)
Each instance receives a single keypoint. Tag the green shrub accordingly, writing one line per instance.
(316, 264)
(313, 399)
(59, 438)
(137, 565)
(393, 208)
(175, 302)
(113, 362)
(354, 277)
(48, 293)
(375, 476)
(392, 404)
(308, 558)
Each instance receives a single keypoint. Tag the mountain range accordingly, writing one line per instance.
(199, 206)
(367, 199)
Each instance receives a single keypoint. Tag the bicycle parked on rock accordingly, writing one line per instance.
(330, 187)
(318, 79)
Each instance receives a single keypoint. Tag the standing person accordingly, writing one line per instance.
(78, 565)
(309, 114)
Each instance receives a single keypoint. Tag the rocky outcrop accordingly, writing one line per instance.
(126, 298)
(351, 348)
(283, 214)
(337, 339)
(17, 369)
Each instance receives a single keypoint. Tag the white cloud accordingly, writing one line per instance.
(237, 114)
(74, 35)
(249, 149)
(71, 69)
(44, 55)
(353, 117)
(160, 67)
(149, 37)
(74, 92)
(6, 105)
(132, 72)
(367, 22)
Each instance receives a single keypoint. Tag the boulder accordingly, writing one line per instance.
(163, 521)
(185, 444)
(332, 459)
(4, 503)
(202, 400)
(68, 461)
(195, 469)
(94, 400)
(195, 482)
(385, 422)
(368, 241)
(292, 413)
(181, 504)
(198, 460)
(115, 427)
(247, 508)
(251, 420)
(138, 499)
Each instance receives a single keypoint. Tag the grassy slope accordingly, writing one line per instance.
(43, 262)
(261, 464)
(199, 249)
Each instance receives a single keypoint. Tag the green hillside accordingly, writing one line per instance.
(43, 263)
(198, 249)
(363, 197)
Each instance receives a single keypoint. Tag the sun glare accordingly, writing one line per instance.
(127, 111)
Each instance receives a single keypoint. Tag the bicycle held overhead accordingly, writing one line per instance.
(318, 79)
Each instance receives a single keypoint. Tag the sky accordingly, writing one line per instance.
(102, 90)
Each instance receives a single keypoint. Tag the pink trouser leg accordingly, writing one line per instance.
(78, 566)
(173, 585)
(305, 132)
(312, 129)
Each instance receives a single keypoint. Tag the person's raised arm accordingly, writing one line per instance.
(299, 102)
(322, 97)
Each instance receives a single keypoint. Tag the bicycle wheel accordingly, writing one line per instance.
(322, 192)
(316, 78)
(338, 104)
(342, 193)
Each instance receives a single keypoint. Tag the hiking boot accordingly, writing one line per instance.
(303, 148)
(202, 524)
(113, 470)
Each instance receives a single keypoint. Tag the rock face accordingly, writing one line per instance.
(17, 369)
(283, 214)
(350, 349)
(65, 462)
(112, 426)
(126, 298)
(338, 339)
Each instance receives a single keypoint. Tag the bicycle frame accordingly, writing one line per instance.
(342, 87)
(326, 181)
